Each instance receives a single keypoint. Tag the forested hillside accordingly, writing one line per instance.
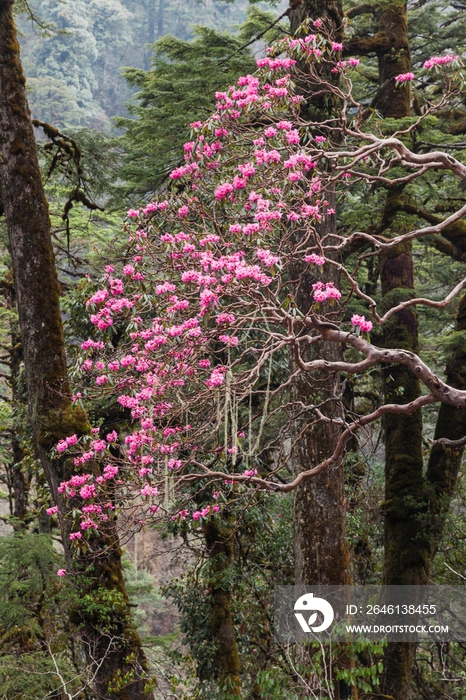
(74, 58)
(232, 339)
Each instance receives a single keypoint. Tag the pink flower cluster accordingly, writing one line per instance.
(440, 60)
(63, 445)
(205, 268)
(205, 512)
(266, 257)
(315, 259)
(216, 378)
(322, 291)
(404, 77)
(274, 63)
(365, 326)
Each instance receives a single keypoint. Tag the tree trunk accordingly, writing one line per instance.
(394, 58)
(321, 551)
(444, 462)
(321, 548)
(330, 12)
(120, 663)
(391, 46)
(405, 554)
(219, 541)
(160, 18)
(404, 508)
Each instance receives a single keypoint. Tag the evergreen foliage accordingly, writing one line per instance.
(178, 89)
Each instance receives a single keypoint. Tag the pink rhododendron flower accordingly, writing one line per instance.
(365, 326)
(224, 190)
(404, 77)
(225, 318)
(87, 524)
(99, 445)
(110, 471)
(61, 572)
(231, 341)
(322, 291)
(181, 515)
(266, 257)
(216, 378)
(315, 259)
(149, 490)
(87, 491)
(440, 60)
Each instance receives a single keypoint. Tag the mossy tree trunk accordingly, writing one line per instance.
(444, 462)
(391, 46)
(405, 553)
(321, 552)
(219, 542)
(330, 11)
(114, 651)
(394, 58)
(320, 543)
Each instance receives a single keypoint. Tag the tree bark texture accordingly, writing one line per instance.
(117, 651)
(444, 462)
(330, 12)
(319, 517)
(406, 552)
(321, 552)
(219, 542)
(391, 46)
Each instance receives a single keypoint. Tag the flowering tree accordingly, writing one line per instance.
(210, 338)
(213, 261)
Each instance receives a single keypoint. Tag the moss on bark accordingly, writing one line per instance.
(444, 462)
(404, 508)
(219, 541)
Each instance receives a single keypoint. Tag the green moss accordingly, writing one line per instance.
(58, 423)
